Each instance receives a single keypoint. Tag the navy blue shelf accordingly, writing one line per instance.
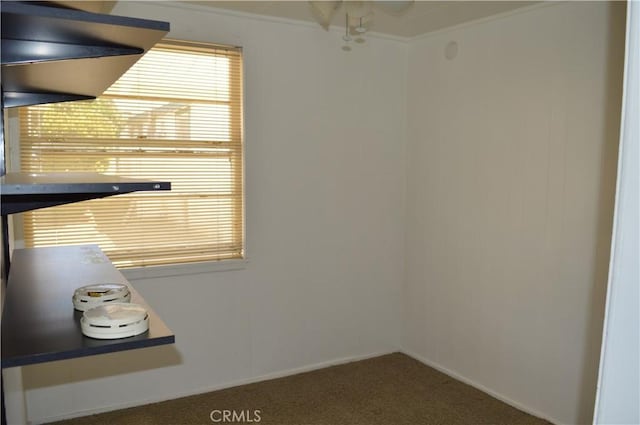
(51, 54)
(26, 191)
(39, 323)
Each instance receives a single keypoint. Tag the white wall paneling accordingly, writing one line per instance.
(511, 167)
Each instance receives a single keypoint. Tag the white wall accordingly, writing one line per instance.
(619, 380)
(511, 167)
(324, 177)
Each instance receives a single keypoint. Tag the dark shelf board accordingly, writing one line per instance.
(39, 323)
(26, 191)
(67, 54)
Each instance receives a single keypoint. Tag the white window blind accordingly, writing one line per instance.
(174, 116)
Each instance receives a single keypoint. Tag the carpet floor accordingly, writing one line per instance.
(389, 390)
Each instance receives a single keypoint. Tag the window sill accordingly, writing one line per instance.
(153, 272)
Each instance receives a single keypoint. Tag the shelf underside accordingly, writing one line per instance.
(52, 54)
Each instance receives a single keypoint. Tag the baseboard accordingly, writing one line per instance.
(478, 386)
(236, 383)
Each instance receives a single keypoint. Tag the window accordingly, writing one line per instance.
(174, 116)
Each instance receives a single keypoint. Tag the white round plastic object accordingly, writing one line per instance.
(94, 295)
(114, 320)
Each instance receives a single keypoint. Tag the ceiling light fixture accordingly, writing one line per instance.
(346, 37)
(358, 15)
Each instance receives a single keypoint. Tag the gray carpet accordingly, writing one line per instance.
(388, 390)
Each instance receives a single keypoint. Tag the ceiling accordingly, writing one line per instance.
(420, 18)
